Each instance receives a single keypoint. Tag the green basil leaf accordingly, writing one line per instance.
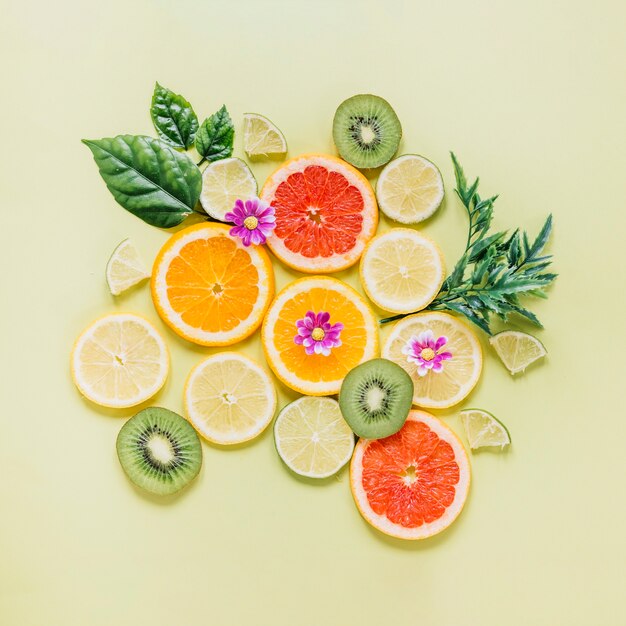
(173, 117)
(148, 178)
(214, 139)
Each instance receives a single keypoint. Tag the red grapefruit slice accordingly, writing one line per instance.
(413, 484)
(325, 213)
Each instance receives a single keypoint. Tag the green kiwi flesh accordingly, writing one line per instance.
(375, 398)
(366, 131)
(159, 450)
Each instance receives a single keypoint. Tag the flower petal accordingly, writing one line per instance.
(422, 371)
(441, 342)
(445, 355)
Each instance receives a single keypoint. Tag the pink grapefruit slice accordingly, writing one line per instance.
(325, 213)
(413, 484)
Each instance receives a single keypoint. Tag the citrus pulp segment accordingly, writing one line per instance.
(325, 213)
(312, 438)
(517, 350)
(317, 374)
(402, 270)
(413, 484)
(119, 361)
(484, 429)
(261, 137)
(209, 288)
(409, 189)
(430, 341)
(223, 182)
(229, 398)
(125, 268)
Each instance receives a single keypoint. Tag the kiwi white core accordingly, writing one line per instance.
(375, 398)
(367, 134)
(160, 449)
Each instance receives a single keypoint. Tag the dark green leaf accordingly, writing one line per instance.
(148, 178)
(542, 238)
(173, 117)
(214, 140)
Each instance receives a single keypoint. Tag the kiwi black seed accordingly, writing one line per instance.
(366, 131)
(375, 398)
(159, 451)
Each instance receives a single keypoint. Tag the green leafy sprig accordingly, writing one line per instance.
(495, 269)
(154, 178)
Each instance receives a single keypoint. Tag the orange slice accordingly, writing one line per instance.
(316, 374)
(209, 288)
(325, 213)
(413, 484)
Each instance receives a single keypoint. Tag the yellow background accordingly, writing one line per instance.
(531, 96)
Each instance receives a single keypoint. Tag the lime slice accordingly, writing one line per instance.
(484, 430)
(409, 189)
(223, 182)
(517, 350)
(261, 137)
(125, 268)
(312, 438)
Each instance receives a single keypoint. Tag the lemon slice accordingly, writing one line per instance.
(229, 398)
(223, 182)
(459, 372)
(312, 438)
(409, 189)
(120, 360)
(261, 137)
(517, 350)
(402, 270)
(125, 268)
(484, 430)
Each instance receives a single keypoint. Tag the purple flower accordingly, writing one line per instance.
(423, 350)
(317, 334)
(254, 221)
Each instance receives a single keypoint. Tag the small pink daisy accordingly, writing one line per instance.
(254, 221)
(423, 350)
(317, 334)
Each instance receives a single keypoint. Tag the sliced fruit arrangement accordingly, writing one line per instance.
(119, 361)
(229, 398)
(312, 438)
(517, 350)
(375, 398)
(484, 429)
(441, 354)
(159, 451)
(366, 131)
(125, 268)
(261, 137)
(413, 484)
(224, 182)
(209, 288)
(402, 270)
(325, 213)
(409, 189)
(317, 330)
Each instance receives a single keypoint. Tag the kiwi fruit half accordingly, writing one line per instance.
(375, 398)
(366, 131)
(159, 451)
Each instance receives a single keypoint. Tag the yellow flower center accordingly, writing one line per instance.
(251, 222)
(318, 334)
(428, 354)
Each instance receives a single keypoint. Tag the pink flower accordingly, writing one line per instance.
(254, 221)
(423, 350)
(317, 334)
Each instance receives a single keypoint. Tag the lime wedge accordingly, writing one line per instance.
(125, 268)
(312, 438)
(223, 182)
(261, 137)
(409, 189)
(484, 430)
(517, 350)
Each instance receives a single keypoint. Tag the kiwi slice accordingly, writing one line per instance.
(366, 131)
(159, 451)
(375, 398)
